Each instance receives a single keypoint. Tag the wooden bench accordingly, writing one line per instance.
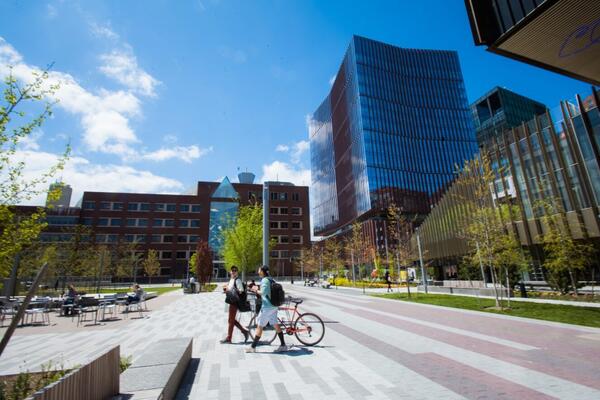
(157, 372)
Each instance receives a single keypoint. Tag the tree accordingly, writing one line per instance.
(332, 257)
(400, 230)
(151, 264)
(493, 244)
(243, 239)
(564, 256)
(354, 248)
(310, 260)
(18, 232)
(203, 262)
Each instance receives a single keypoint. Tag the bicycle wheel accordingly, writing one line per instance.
(309, 329)
(244, 319)
(268, 334)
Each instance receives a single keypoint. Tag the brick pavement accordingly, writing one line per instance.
(373, 349)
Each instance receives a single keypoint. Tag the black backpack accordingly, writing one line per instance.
(277, 297)
(242, 303)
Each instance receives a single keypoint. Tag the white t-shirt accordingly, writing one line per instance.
(238, 284)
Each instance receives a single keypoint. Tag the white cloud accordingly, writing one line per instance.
(170, 139)
(332, 80)
(237, 56)
(30, 142)
(103, 31)
(122, 66)
(186, 154)
(284, 172)
(83, 175)
(299, 149)
(51, 11)
(282, 148)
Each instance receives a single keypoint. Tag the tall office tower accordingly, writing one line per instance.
(499, 110)
(65, 196)
(393, 128)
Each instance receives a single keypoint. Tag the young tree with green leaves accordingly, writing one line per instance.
(243, 239)
(564, 257)
(400, 230)
(151, 265)
(203, 262)
(354, 248)
(18, 232)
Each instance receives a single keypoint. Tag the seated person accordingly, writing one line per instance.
(138, 292)
(70, 299)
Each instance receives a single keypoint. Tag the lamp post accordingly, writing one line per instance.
(423, 275)
(265, 223)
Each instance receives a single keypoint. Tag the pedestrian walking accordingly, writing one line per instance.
(233, 292)
(268, 312)
(388, 280)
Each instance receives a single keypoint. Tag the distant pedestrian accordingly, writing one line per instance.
(388, 280)
(233, 290)
(268, 312)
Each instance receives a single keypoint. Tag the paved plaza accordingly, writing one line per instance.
(373, 348)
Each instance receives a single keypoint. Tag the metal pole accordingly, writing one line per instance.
(353, 273)
(265, 223)
(423, 275)
(100, 270)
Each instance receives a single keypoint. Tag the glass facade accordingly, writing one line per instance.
(222, 213)
(393, 128)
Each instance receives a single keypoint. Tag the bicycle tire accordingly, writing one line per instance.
(268, 334)
(315, 326)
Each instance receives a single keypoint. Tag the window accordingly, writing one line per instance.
(196, 208)
(169, 222)
(159, 207)
(274, 225)
(102, 222)
(296, 225)
(166, 255)
(117, 206)
(89, 205)
(284, 239)
(284, 254)
(144, 206)
(115, 222)
(296, 196)
(296, 253)
(283, 210)
(155, 238)
(86, 221)
(297, 239)
(182, 239)
(275, 238)
(283, 225)
(195, 223)
(184, 223)
(193, 238)
(182, 255)
(184, 208)
(274, 195)
(274, 210)
(157, 222)
(131, 221)
(167, 239)
(142, 221)
(129, 238)
(105, 205)
(171, 207)
(296, 211)
(133, 206)
(283, 196)
(274, 254)
(112, 238)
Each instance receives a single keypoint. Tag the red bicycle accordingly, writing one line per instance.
(308, 327)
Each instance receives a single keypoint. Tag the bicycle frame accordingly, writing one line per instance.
(288, 324)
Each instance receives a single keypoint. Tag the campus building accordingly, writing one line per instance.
(501, 109)
(549, 156)
(172, 224)
(558, 35)
(392, 129)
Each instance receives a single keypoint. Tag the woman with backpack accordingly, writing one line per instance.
(233, 293)
(268, 311)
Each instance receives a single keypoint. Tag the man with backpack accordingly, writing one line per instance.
(272, 297)
(234, 295)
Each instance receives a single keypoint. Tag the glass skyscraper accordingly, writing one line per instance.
(394, 128)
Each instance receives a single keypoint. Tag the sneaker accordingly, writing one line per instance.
(251, 349)
(246, 336)
(225, 341)
(281, 349)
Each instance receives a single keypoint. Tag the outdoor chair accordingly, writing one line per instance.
(87, 306)
(7, 310)
(139, 305)
(108, 305)
(37, 309)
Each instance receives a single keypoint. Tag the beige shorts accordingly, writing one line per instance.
(267, 316)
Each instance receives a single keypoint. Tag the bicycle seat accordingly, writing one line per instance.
(296, 300)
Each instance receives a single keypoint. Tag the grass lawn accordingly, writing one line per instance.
(159, 290)
(586, 316)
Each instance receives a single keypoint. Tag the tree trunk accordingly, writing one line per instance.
(494, 285)
(573, 283)
(507, 286)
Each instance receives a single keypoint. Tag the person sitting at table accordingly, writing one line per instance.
(138, 292)
(70, 300)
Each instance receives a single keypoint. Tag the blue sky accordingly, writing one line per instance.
(157, 95)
